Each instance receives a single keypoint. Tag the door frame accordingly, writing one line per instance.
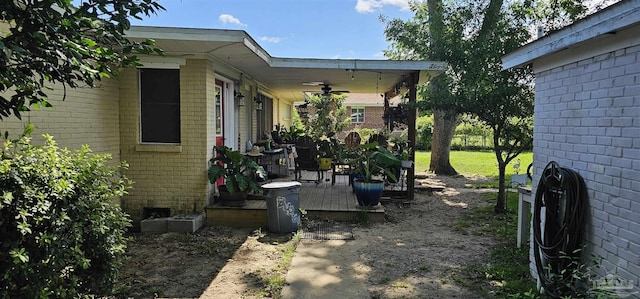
(229, 113)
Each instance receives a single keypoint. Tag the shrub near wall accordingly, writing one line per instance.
(61, 235)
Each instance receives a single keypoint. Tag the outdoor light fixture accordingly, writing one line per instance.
(258, 103)
(351, 73)
(240, 97)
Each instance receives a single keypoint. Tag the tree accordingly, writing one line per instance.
(502, 99)
(328, 116)
(53, 41)
(472, 36)
(427, 37)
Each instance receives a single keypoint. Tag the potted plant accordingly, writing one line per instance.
(401, 149)
(373, 163)
(240, 175)
(327, 149)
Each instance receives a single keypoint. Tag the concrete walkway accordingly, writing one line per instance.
(327, 269)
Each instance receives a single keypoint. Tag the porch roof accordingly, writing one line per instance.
(284, 77)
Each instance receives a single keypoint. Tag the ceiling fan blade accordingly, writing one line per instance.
(314, 83)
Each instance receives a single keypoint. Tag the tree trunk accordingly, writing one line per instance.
(444, 122)
(500, 203)
(444, 126)
(502, 170)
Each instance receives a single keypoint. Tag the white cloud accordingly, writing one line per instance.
(227, 18)
(270, 39)
(369, 6)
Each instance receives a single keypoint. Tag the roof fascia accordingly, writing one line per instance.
(186, 34)
(240, 36)
(610, 20)
(357, 64)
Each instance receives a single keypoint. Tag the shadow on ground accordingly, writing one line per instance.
(177, 265)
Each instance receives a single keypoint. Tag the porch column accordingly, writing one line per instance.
(413, 85)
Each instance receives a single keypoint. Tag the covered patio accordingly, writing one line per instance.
(322, 200)
(250, 75)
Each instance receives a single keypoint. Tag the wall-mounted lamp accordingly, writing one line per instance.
(239, 97)
(258, 103)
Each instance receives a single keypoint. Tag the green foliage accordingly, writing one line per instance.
(53, 41)
(329, 116)
(472, 125)
(506, 273)
(290, 135)
(373, 160)
(470, 134)
(239, 172)
(472, 37)
(401, 146)
(424, 125)
(365, 133)
(62, 234)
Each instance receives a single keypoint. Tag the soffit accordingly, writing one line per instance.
(284, 77)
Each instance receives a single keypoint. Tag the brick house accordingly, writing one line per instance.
(587, 118)
(213, 87)
(366, 110)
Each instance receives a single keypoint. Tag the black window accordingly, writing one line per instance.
(160, 105)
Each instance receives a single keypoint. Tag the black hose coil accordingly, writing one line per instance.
(557, 250)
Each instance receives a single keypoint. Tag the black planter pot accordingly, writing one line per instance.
(368, 194)
(237, 199)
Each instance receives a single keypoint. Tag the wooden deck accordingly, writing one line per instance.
(320, 200)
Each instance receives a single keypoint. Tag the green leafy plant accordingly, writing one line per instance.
(71, 43)
(62, 233)
(290, 135)
(329, 147)
(374, 160)
(239, 172)
(344, 153)
(329, 116)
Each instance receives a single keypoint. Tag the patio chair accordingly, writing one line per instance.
(341, 167)
(307, 159)
(353, 139)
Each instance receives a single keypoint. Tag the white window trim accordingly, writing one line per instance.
(364, 114)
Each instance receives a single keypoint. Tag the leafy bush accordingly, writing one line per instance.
(423, 132)
(365, 133)
(62, 235)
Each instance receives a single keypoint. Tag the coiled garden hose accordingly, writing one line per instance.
(557, 245)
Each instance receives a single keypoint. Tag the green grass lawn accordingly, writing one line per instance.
(476, 163)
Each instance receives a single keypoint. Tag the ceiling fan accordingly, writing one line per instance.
(326, 89)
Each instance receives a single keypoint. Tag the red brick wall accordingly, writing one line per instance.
(372, 118)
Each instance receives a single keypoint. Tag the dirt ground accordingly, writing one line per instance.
(416, 253)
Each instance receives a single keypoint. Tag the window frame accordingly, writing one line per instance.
(174, 138)
(357, 117)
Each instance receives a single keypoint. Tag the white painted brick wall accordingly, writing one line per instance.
(587, 118)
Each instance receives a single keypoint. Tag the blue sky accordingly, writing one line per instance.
(336, 29)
